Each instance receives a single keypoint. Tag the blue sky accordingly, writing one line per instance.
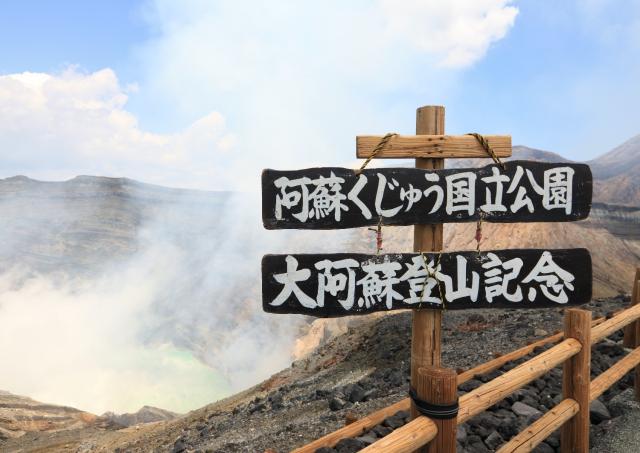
(206, 88)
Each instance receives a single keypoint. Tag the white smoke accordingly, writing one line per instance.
(176, 324)
(172, 316)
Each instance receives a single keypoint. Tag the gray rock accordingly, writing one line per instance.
(325, 450)
(381, 431)
(598, 412)
(623, 402)
(477, 447)
(367, 439)
(553, 440)
(179, 446)
(494, 440)
(524, 410)
(461, 434)
(357, 394)
(393, 422)
(335, 404)
(471, 384)
(349, 445)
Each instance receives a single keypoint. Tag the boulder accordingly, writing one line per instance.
(335, 404)
(598, 412)
(494, 440)
(524, 410)
(349, 445)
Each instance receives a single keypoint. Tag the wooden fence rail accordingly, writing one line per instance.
(365, 424)
(573, 351)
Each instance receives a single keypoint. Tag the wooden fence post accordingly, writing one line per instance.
(426, 324)
(440, 386)
(630, 331)
(636, 327)
(576, 382)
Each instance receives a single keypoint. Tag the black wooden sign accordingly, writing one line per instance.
(333, 198)
(343, 284)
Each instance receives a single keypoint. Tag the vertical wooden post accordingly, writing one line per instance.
(440, 386)
(636, 375)
(636, 325)
(576, 381)
(426, 324)
(630, 330)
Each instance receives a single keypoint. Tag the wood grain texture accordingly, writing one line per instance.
(405, 439)
(439, 385)
(613, 374)
(377, 417)
(618, 322)
(485, 396)
(538, 431)
(576, 381)
(426, 325)
(433, 146)
(355, 429)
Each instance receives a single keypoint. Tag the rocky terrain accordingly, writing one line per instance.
(20, 414)
(146, 414)
(616, 174)
(354, 374)
(344, 368)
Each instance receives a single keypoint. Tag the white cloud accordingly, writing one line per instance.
(58, 126)
(278, 84)
(297, 81)
(459, 32)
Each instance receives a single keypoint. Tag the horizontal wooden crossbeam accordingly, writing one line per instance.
(535, 434)
(432, 146)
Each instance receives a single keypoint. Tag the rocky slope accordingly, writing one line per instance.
(19, 415)
(78, 227)
(146, 414)
(617, 174)
(352, 375)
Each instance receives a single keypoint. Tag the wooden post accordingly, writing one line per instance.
(630, 331)
(426, 325)
(636, 377)
(440, 386)
(576, 382)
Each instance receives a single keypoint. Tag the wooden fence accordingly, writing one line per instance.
(571, 415)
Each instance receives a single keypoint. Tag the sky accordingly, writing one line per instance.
(204, 93)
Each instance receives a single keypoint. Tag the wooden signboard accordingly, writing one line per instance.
(333, 198)
(342, 284)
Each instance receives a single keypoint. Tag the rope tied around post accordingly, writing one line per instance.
(432, 273)
(485, 144)
(436, 411)
(380, 146)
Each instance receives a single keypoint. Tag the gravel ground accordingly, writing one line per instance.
(368, 368)
(621, 434)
